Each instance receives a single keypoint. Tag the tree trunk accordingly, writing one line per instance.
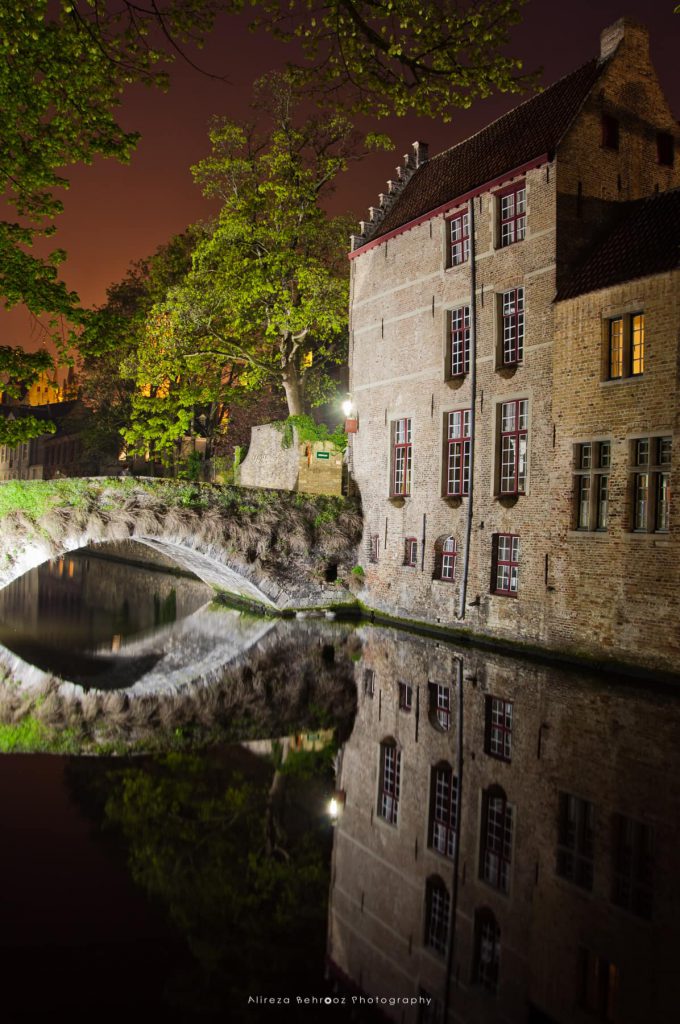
(291, 385)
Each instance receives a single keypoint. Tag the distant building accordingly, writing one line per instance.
(50, 455)
(515, 391)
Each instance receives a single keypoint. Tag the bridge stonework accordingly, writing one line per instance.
(278, 549)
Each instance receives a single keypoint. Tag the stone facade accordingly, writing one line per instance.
(404, 299)
(311, 467)
(561, 912)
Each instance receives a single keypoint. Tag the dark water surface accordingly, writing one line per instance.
(505, 847)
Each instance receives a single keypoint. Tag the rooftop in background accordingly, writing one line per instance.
(645, 241)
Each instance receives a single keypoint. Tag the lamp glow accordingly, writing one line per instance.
(347, 406)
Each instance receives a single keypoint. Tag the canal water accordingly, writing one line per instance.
(207, 816)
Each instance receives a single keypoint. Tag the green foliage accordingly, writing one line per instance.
(214, 848)
(401, 56)
(268, 290)
(358, 570)
(18, 370)
(31, 736)
(63, 67)
(307, 764)
(308, 430)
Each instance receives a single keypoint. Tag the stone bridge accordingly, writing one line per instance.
(279, 549)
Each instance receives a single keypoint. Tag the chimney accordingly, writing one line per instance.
(636, 37)
(420, 149)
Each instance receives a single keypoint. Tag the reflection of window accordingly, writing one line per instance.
(487, 950)
(459, 239)
(633, 863)
(496, 839)
(458, 442)
(513, 448)
(373, 547)
(437, 911)
(499, 728)
(459, 343)
(440, 704)
(405, 697)
(592, 461)
(625, 346)
(410, 551)
(512, 210)
(390, 771)
(505, 564)
(369, 682)
(651, 484)
(599, 985)
(665, 149)
(402, 458)
(512, 321)
(443, 809)
(575, 840)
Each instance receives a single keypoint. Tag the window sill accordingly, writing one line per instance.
(456, 266)
(504, 593)
(614, 381)
(648, 535)
(590, 534)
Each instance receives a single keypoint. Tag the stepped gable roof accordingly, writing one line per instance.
(645, 241)
(533, 128)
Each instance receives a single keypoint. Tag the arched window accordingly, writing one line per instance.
(445, 554)
(487, 950)
(443, 809)
(390, 780)
(496, 839)
(437, 913)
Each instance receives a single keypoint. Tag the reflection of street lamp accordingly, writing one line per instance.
(336, 806)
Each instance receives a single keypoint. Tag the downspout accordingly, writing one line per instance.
(473, 402)
(456, 840)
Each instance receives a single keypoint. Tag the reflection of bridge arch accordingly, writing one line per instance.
(275, 550)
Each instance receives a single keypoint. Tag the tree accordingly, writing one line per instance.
(18, 370)
(394, 56)
(268, 288)
(112, 334)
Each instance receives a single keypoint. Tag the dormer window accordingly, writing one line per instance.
(610, 132)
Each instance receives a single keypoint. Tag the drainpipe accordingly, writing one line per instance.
(473, 401)
(456, 839)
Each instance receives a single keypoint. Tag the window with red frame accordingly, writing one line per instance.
(499, 728)
(513, 461)
(458, 453)
(512, 312)
(443, 809)
(390, 781)
(402, 458)
(410, 551)
(459, 320)
(459, 239)
(512, 206)
(496, 839)
(505, 572)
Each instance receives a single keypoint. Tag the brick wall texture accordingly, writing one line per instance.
(610, 593)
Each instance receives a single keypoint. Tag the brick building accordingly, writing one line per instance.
(475, 396)
(508, 843)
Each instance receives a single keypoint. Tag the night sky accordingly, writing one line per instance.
(116, 214)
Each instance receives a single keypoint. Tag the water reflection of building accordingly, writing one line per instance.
(528, 877)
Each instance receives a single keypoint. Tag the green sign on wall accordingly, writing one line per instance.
(323, 455)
